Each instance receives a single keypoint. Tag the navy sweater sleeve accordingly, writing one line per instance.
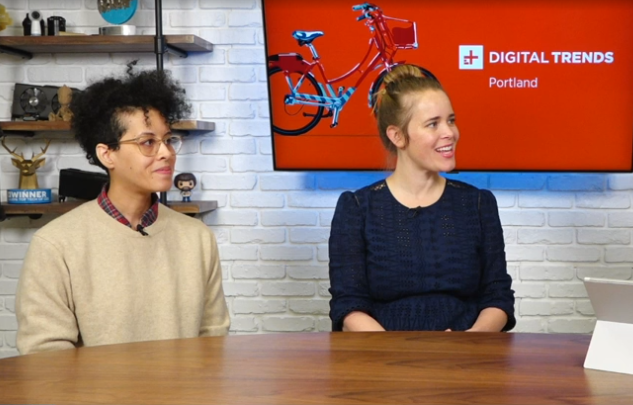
(495, 286)
(348, 276)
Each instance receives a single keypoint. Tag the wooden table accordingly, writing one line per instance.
(320, 368)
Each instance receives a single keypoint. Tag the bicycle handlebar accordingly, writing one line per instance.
(365, 7)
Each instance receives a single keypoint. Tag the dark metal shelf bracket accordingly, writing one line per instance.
(15, 52)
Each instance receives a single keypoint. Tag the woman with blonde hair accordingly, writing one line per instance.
(418, 251)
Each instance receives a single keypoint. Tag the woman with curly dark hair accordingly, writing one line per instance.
(123, 268)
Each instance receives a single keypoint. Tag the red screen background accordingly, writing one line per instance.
(580, 118)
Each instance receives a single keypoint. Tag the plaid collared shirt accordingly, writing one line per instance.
(148, 218)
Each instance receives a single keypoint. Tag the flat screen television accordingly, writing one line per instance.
(536, 85)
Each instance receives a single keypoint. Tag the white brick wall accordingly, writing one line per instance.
(272, 227)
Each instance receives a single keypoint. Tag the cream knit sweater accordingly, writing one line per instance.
(89, 280)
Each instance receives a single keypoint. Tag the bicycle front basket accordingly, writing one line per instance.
(404, 37)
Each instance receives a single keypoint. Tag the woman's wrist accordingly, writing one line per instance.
(358, 321)
(490, 320)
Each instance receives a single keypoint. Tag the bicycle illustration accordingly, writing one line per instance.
(309, 99)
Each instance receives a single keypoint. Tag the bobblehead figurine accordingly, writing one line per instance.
(185, 182)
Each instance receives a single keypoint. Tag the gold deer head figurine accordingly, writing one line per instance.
(28, 178)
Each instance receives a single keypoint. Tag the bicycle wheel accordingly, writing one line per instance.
(381, 77)
(294, 119)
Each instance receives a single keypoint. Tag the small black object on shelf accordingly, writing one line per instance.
(26, 24)
(56, 24)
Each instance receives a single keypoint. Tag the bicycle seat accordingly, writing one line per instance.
(306, 37)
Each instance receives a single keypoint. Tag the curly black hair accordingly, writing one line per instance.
(96, 109)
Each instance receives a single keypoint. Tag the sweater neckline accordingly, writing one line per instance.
(418, 208)
(106, 220)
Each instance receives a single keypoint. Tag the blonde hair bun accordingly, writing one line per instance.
(403, 72)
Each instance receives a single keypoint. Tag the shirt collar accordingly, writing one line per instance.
(147, 219)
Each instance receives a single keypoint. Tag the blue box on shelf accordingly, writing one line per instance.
(29, 196)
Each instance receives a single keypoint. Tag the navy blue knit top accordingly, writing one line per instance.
(430, 268)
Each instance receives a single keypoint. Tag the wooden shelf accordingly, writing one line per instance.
(193, 207)
(46, 126)
(101, 43)
(39, 209)
(36, 210)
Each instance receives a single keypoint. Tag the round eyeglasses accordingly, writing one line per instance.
(149, 145)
